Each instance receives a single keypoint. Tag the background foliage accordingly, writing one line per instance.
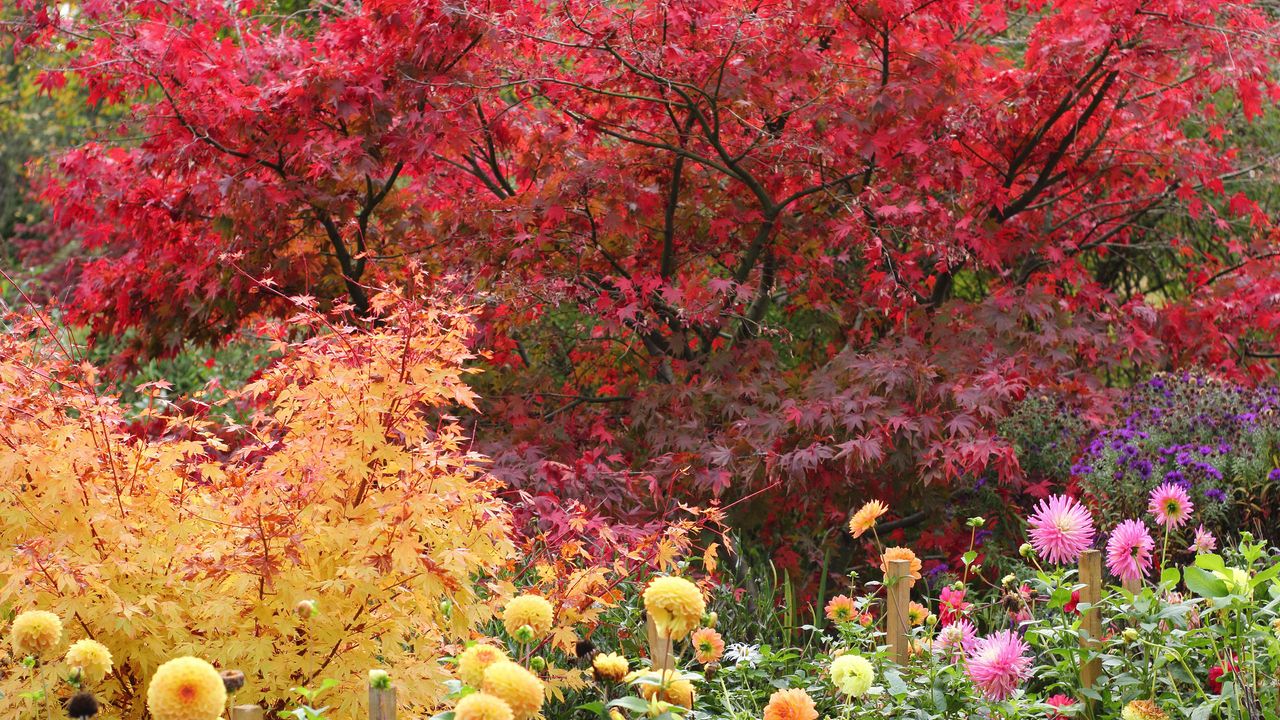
(351, 486)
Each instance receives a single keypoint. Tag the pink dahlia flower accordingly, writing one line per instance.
(955, 638)
(1171, 505)
(1204, 541)
(1060, 703)
(1060, 529)
(951, 605)
(998, 663)
(1129, 550)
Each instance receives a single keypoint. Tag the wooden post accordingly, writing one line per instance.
(659, 647)
(897, 583)
(382, 703)
(1134, 586)
(246, 712)
(1091, 624)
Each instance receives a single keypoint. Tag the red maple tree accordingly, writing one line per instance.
(718, 245)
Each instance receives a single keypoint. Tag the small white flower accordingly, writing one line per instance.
(739, 653)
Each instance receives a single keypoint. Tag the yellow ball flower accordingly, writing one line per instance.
(92, 657)
(667, 687)
(676, 606)
(186, 688)
(482, 706)
(521, 689)
(1238, 581)
(610, 666)
(531, 610)
(36, 633)
(473, 661)
(1143, 710)
(852, 674)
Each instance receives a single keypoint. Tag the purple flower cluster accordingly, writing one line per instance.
(1205, 435)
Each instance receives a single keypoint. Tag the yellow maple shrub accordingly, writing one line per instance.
(318, 539)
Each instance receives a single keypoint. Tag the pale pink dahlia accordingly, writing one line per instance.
(955, 638)
(1171, 505)
(1204, 541)
(998, 663)
(1129, 550)
(1060, 529)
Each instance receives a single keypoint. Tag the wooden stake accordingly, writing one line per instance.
(1134, 586)
(246, 712)
(897, 583)
(382, 703)
(1091, 625)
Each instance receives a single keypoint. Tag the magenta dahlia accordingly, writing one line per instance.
(998, 663)
(1171, 505)
(1060, 529)
(1129, 550)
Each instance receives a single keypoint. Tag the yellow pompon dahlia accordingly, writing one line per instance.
(1143, 710)
(901, 553)
(793, 704)
(676, 606)
(866, 517)
(852, 674)
(610, 666)
(186, 688)
(92, 657)
(667, 687)
(473, 661)
(482, 706)
(519, 688)
(708, 646)
(36, 633)
(531, 610)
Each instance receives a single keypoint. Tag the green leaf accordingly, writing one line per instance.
(969, 557)
(894, 680)
(447, 715)
(631, 703)
(1170, 576)
(1203, 584)
(595, 708)
(1210, 561)
(1265, 575)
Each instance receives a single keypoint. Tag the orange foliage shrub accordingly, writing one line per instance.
(350, 490)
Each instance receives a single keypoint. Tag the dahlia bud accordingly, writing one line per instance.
(232, 680)
(524, 634)
(1027, 551)
(379, 679)
(82, 705)
(306, 609)
(1130, 634)
(537, 664)
(710, 619)
(976, 522)
(931, 620)
(446, 607)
